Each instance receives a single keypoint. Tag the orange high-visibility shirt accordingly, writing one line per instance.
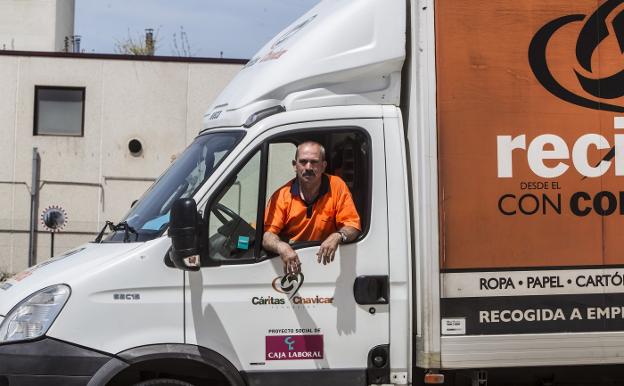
(293, 219)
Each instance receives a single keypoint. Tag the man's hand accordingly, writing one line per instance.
(327, 251)
(292, 265)
(272, 243)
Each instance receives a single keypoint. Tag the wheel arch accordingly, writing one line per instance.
(179, 361)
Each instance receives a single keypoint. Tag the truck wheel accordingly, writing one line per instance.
(163, 382)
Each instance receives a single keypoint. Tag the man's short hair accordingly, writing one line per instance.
(311, 143)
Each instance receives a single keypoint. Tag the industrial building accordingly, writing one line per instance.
(103, 127)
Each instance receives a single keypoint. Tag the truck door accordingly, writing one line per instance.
(268, 324)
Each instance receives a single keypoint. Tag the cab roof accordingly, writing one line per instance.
(341, 52)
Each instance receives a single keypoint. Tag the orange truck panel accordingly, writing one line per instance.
(530, 99)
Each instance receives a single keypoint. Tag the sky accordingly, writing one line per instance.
(231, 28)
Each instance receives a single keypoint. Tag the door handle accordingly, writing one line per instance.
(371, 290)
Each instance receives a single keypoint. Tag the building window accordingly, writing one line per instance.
(59, 111)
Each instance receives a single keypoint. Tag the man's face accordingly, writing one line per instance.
(309, 164)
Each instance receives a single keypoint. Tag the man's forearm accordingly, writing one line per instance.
(271, 242)
(351, 233)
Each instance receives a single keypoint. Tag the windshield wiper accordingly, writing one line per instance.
(114, 228)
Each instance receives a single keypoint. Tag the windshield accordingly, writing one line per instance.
(149, 217)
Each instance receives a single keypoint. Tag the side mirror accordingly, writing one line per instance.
(184, 233)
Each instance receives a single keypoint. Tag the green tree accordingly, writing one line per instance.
(141, 45)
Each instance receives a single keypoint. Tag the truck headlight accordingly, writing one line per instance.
(33, 316)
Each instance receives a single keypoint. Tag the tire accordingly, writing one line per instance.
(163, 382)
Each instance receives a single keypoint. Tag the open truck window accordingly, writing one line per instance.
(236, 214)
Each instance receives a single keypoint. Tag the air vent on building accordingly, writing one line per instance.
(135, 147)
(76, 43)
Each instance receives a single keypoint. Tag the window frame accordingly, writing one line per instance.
(260, 254)
(36, 110)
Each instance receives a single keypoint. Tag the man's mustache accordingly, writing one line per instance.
(309, 173)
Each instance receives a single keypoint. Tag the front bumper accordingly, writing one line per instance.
(48, 362)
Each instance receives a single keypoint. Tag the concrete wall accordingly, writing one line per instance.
(94, 177)
(35, 25)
